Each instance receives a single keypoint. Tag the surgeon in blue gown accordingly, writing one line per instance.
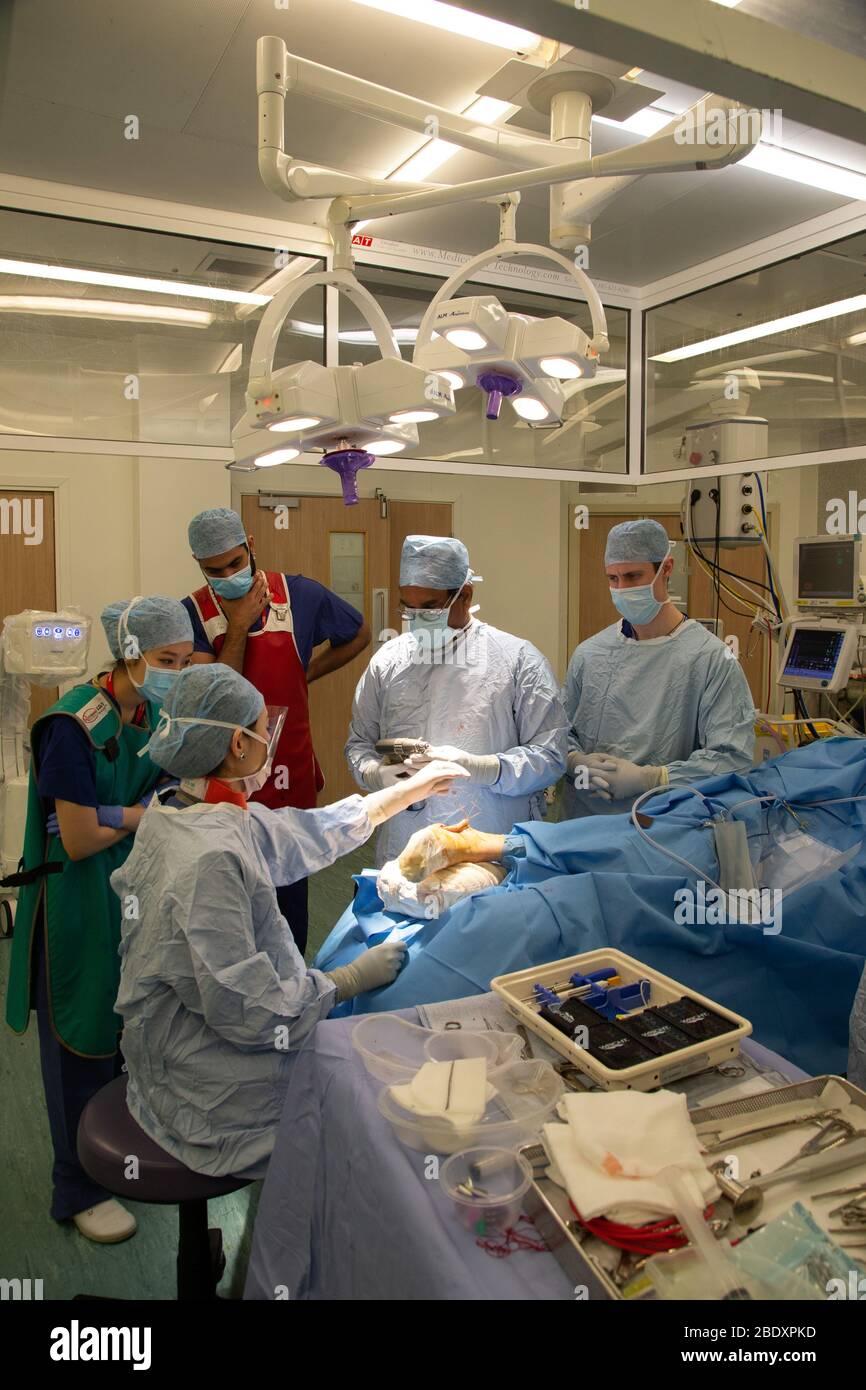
(480, 697)
(655, 699)
(214, 993)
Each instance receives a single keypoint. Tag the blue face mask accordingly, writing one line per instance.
(236, 586)
(637, 605)
(157, 685)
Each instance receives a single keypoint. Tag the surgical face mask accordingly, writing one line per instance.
(430, 620)
(157, 684)
(236, 585)
(638, 605)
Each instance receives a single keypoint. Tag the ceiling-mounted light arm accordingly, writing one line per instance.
(280, 72)
(504, 251)
(659, 154)
(271, 326)
(292, 179)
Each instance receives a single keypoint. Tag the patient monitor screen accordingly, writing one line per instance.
(814, 653)
(826, 570)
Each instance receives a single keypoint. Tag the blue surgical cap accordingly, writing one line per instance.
(204, 691)
(636, 540)
(434, 562)
(152, 622)
(214, 532)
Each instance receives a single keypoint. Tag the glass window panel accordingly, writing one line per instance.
(106, 361)
(806, 379)
(593, 432)
(347, 567)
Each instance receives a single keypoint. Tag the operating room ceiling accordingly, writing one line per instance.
(72, 73)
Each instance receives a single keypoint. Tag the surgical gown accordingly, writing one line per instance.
(213, 991)
(680, 701)
(492, 693)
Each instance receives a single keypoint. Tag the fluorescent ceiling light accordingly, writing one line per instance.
(73, 275)
(350, 335)
(419, 166)
(765, 330)
(105, 308)
(801, 168)
(454, 21)
(856, 339)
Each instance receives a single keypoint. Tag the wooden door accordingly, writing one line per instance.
(27, 569)
(320, 532)
(337, 545)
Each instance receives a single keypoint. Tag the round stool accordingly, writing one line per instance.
(108, 1138)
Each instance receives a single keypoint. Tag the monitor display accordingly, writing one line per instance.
(814, 653)
(826, 570)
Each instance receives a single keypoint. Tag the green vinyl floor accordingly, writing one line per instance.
(33, 1246)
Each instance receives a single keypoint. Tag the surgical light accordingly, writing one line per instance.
(530, 408)
(276, 456)
(455, 380)
(297, 422)
(349, 414)
(413, 417)
(562, 367)
(467, 339)
(384, 446)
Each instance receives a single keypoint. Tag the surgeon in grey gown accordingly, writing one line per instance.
(480, 697)
(214, 993)
(654, 699)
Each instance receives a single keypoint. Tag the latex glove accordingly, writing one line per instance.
(52, 824)
(385, 775)
(433, 780)
(482, 767)
(573, 761)
(437, 846)
(376, 967)
(112, 816)
(615, 779)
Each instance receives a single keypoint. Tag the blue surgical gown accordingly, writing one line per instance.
(214, 993)
(680, 701)
(493, 693)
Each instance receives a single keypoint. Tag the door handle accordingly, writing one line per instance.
(381, 632)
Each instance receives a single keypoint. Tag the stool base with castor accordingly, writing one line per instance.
(108, 1137)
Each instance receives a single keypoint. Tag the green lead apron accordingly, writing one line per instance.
(81, 911)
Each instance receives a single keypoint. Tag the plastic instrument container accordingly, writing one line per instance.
(487, 1186)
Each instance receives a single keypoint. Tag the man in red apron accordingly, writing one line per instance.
(265, 625)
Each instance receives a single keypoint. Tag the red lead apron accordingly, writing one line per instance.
(273, 666)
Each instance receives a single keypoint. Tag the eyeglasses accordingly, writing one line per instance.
(426, 615)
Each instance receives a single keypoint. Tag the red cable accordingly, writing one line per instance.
(652, 1239)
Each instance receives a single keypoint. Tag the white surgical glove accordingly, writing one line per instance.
(482, 767)
(615, 779)
(434, 779)
(384, 774)
(376, 967)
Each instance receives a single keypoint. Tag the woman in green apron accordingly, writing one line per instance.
(88, 792)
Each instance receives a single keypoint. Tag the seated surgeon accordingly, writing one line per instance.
(654, 699)
(478, 696)
(214, 993)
